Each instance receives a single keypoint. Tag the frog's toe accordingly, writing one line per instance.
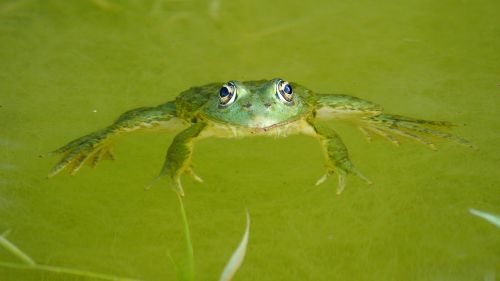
(342, 177)
(78, 163)
(96, 158)
(322, 179)
(366, 133)
(175, 182)
(65, 162)
(423, 131)
(341, 180)
(176, 179)
(177, 186)
(193, 175)
(360, 175)
(386, 135)
(57, 169)
(101, 154)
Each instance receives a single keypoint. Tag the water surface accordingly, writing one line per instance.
(71, 67)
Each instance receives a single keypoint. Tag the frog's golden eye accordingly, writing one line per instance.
(227, 94)
(284, 92)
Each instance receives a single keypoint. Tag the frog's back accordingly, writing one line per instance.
(190, 101)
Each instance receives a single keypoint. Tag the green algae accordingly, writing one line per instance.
(71, 67)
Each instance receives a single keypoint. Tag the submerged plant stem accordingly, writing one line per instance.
(64, 270)
(30, 264)
(9, 246)
(189, 273)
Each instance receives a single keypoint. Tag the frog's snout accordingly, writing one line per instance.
(248, 106)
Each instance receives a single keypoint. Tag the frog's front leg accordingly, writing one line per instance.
(96, 146)
(178, 159)
(336, 154)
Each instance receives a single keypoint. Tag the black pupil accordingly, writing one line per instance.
(287, 89)
(224, 92)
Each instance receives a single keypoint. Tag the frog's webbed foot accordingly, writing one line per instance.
(337, 158)
(178, 159)
(175, 177)
(94, 147)
(89, 149)
(424, 131)
(370, 131)
(174, 172)
(342, 176)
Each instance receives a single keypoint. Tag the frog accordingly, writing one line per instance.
(238, 109)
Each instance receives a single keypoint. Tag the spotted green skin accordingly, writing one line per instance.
(257, 110)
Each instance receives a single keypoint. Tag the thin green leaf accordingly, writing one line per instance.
(30, 264)
(176, 267)
(64, 270)
(9, 246)
(494, 219)
(189, 270)
(236, 259)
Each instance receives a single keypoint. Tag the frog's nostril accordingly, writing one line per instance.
(247, 105)
(267, 104)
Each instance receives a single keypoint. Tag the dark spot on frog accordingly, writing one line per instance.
(247, 105)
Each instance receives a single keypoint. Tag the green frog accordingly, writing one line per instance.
(254, 108)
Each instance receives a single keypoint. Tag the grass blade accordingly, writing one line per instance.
(176, 267)
(494, 219)
(189, 268)
(63, 270)
(30, 264)
(236, 259)
(9, 246)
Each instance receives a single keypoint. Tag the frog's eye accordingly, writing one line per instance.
(284, 92)
(227, 94)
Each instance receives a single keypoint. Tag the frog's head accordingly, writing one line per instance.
(257, 104)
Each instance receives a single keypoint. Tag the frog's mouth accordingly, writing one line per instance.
(262, 121)
(253, 121)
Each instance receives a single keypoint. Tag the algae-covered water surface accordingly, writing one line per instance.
(71, 67)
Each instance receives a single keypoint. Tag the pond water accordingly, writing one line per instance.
(71, 67)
